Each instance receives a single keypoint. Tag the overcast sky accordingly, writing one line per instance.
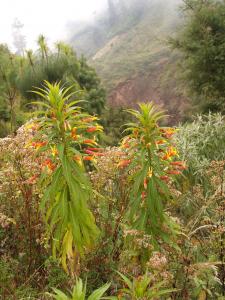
(48, 17)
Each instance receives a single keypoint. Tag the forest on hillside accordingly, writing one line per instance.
(115, 202)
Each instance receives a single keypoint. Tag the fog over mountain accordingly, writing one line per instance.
(128, 45)
(117, 17)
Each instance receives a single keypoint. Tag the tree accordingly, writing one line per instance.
(62, 65)
(9, 99)
(202, 44)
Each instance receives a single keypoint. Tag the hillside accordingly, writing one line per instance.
(127, 45)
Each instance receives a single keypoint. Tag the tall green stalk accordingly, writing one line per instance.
(66, 133)
(152, 166)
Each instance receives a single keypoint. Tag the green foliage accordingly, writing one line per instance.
(8, 289)
(19, 74)
(202, 43)
(67, 190)
(113, 120)
(142, 287)
(9, 98)
(79, 292)
(201, 142)
(151, 158)
(55, 275)
(63, 66)
(132, 195)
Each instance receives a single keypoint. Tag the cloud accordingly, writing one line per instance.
(48, 17)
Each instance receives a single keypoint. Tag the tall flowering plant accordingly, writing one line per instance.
(152, 164)
(68, 136)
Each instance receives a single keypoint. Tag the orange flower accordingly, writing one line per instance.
(89, 142)
(168, 132)
(170, 152)
(165, 157)
(88, 158)
(99, 154)
(179, 165)
(173, 172)
(160, 142)
(89, 119)
(125, 143)
(124, 163)
(89, 152)
(78, 159)
(38, 145)
(145, 183)
(93, 129)
(93, 153)
(48, 163)
(95, 149)
(74, 133)
(125, 146)
(164, 178)
(143, 195)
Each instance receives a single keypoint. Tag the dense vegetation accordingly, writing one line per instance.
(19, 74)
(151, 209)
(143, 219)
(201, 42)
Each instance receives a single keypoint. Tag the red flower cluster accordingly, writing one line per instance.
(48, 163)
(89, 142)
(92, 152)
(171, 151)
(88, 158)
(167, 132)
(164, 178)
(124, 163)
(92, 129)
(180, 165)
(88, 119)
(38, 145)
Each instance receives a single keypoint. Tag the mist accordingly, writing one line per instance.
(114, 18)
(46, 17)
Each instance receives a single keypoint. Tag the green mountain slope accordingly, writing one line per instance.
(128, 47)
